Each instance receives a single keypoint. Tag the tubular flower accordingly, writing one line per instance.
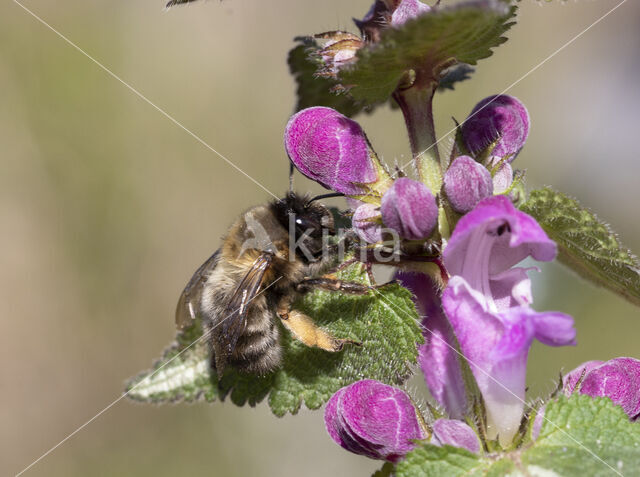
(496, 344)
(372, 419)
(485, 245)
(487, 302)
(437, 356)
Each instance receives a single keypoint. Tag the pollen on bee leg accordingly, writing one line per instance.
(307, 332)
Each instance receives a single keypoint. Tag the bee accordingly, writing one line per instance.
(271, 255)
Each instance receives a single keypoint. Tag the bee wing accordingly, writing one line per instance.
(189, 301)
(234, 321)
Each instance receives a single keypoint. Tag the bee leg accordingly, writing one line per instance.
(307, 332)
(369, 268)
(334, 284)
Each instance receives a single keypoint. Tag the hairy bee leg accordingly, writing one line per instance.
(369, 268)
(307, 332)
(334, 284)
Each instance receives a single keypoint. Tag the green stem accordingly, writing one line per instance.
(416, 104)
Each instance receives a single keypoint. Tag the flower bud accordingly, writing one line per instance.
(617, 379)
(570, 381)
(455, 433)
(466, 183)
(364, 226)
(537, 423)
(407, 10)
(331, 149)
(409, 208)
(500, 117)
(372, 419)
(339, 48)
(502, 178)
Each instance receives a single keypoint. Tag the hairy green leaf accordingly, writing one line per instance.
(583, 437)
(585, 243)
(431, 43)
(315, 90)
(428, 460)
(580, 436)
(385, 321)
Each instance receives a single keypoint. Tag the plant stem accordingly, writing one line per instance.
(416, 104)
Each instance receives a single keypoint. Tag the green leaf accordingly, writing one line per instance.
(385, 471)
(585, 243)
(583, 437)
(428, 460)
(315, 90)
(430, 43)
(386, 323)
(456, 74)
(580, 436)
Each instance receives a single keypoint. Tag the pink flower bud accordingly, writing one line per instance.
(503, 178)
(331, 149)
(455, 433)
(409, 208)
(407, 10)
(617, 379)
(466, 183)
(372, 419)
(366, 229)
(570, 381)
(500, 117)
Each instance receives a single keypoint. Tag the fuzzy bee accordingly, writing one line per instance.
(270, 255)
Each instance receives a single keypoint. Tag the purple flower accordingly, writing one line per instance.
(437, 356)
(496, 345)
(485, 245)
(331, 149)
(497, 117)
(409, 208)
(367, 230)
(570, 381)
(372, 419)
(466, 183)
(487, 303)
(455, 433)
(617, 379)
(407, 10)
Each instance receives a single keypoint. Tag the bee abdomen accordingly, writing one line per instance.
(257, 352)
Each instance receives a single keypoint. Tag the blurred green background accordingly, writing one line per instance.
(107, 207)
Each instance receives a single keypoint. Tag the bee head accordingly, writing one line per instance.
(306, 220)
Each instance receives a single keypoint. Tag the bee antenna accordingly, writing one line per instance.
(326, 196)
